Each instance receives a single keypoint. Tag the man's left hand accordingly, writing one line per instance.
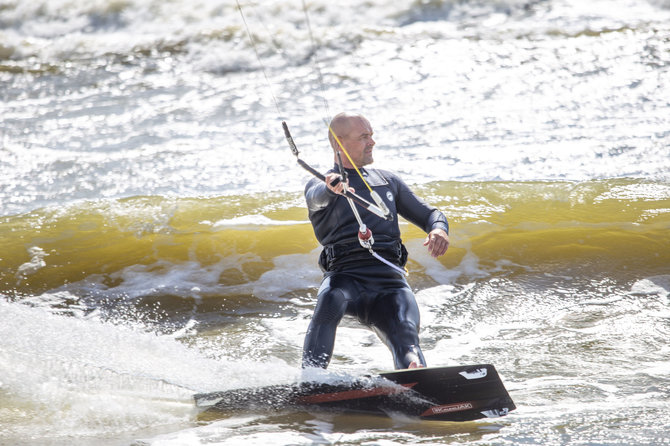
(437, 242)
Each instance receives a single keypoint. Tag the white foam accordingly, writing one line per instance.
(253, 221)
(99, 378)
(192, 279)
(654, 285)
(36, 262)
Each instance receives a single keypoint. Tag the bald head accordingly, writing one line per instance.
(343, 124)
(355, 134)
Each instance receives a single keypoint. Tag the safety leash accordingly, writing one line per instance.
(365, 237)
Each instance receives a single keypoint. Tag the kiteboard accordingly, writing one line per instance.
(461, 393)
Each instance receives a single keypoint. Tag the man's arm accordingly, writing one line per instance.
(429, 218)
(319, 194)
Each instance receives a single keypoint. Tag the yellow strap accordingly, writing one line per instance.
(348, 157)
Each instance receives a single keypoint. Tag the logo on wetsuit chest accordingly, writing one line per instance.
(389, 195)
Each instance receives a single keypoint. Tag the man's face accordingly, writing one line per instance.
(358, 142)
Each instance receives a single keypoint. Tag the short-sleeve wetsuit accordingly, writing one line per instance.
(357, 284)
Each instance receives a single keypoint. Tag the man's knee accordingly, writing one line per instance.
(330, 307)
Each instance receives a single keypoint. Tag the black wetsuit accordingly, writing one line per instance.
(356, 283)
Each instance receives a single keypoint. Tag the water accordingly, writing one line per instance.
(154, 241)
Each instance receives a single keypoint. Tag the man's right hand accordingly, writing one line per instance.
(335, 184)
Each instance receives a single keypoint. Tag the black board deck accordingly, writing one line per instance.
(460, 393)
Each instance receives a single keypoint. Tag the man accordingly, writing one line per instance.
(355, 282)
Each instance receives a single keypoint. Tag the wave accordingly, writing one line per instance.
(455, 10)
(213, 36)
(663, 4)
(209, 249)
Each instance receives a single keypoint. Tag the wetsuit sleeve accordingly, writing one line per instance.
(317, 195)
(418, 211)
